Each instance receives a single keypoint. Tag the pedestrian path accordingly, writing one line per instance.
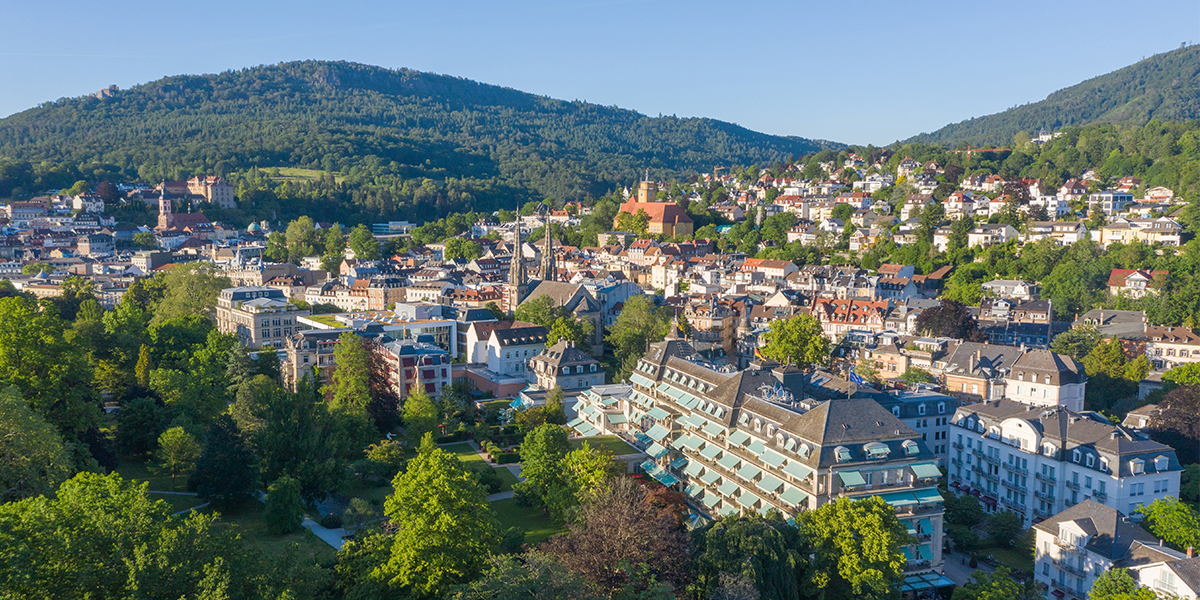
(188, 510)
(333, 537)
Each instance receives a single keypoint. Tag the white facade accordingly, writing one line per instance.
(1037, 461)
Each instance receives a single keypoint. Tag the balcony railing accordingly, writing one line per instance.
(991, 477)
(995, 460)
(1101, 496)
(1069, 568)
(1165, 587)
(1047, 478)
(1016, 469)
(1014, 485)
(1044, 495)
(957, 445)
(1073, 546)
(956, 462)
(977, 451)
(1073, 485)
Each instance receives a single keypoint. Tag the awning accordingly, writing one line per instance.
(907, 553)
(679, 463)
(659, 414)
(693, 469)
(663, 388)
(924, 581)
(748, 500)
(656, 451)
(769, 484)
(909, 525)
(794, 496)
(641, 380)
(573, 422)
(729, 488)
(738, 438)
(585, 429)
(710, 452)
(926, 527)
(616, 418)
(925, 552)
(898, 499)
(851, 478)
(729, 461)
(797, 470)
(689, 421)
(1057, 593)
(586, 409)
(926, 470)
(709, 477)
(710, 499)
(928, 496)
(773, 458)
(749, 472)
(658, 432)
(681, 441)
(765, 508)
(713, 429)
(693, 489)
(729, 509)
(758, 447)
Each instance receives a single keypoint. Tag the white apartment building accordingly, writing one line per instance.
(1038, 461)
(1169, 347)
(1080, 544)
(1043, 378)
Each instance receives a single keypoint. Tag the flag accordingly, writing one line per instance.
(759, 354)
(856, 378)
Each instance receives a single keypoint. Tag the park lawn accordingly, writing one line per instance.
(252, 526)
(471, 458)
(1012, 558)
(177, 503)
(611, 443)
(536, 524)
(140, 471)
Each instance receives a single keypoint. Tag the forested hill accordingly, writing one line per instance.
(389, 124)
(1165, 87)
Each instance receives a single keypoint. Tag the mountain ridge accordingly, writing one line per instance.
(335, 115)
(1165, 87)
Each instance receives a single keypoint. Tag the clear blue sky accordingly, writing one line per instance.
(855, 72)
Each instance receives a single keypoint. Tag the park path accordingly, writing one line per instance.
(333, 537)
(957, 567)
(188, 510)
(173, 493)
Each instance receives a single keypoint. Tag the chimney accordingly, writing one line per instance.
(1191, 551)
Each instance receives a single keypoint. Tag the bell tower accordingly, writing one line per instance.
(518, 284)
(165, 218)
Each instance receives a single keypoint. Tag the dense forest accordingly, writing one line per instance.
(381, 129)
(1165, 87)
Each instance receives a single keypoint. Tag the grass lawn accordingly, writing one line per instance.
(537, 525)
(297, 174)
(146, 472)
(471, 458)
(177, 503)
(611, 443)
(253, 528)
(1012, 558)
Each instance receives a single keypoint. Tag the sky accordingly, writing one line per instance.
(854, 72)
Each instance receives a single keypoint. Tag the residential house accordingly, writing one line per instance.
(1170, 347)
(1046, 379)
(259, 316)
(566, 367)
(988, 234)
(1136, 283)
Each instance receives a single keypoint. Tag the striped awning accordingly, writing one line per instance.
(749, 472)
(738, 438)
(928, 496)
(658, 432)
(851, 478)
(773, 458)
(794, 496)
(656, 451)
(709, 477)
(797, 470)
(748, 500)
(729, 461)
(641, 380)
(769, 484)
(711, 451)
(693, 469)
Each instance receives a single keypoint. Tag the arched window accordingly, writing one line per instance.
(896, 411)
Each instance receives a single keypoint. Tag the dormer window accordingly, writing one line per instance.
(1161, 463)
(1137, 466)
(1075, 456)
(941, 408)
(1049, 449)
(920, 409)
(877, 450)
(1091, 460)
(1104, 464)
(896, 411)
(842, 453)
(911, 447)
(1021, 376)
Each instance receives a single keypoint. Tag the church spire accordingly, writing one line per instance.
(517, 281)
(549, 267)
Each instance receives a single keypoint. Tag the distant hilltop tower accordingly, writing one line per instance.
(647, 190)
(165, 218)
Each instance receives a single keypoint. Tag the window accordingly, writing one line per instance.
(920, 409)
(1091, 460)
(1160, 463)
(896, 411)
(941, 408)
(1103, 469)
(1137, 466)
(1075, 456)
(566, 370)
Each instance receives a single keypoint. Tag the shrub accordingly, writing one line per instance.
(512, 540)
(506, 458)
(331, 521)
(488, 478)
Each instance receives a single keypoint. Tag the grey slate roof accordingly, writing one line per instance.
(1061, 369)
(1110, 533)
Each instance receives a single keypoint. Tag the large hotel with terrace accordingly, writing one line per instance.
(763, 439)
